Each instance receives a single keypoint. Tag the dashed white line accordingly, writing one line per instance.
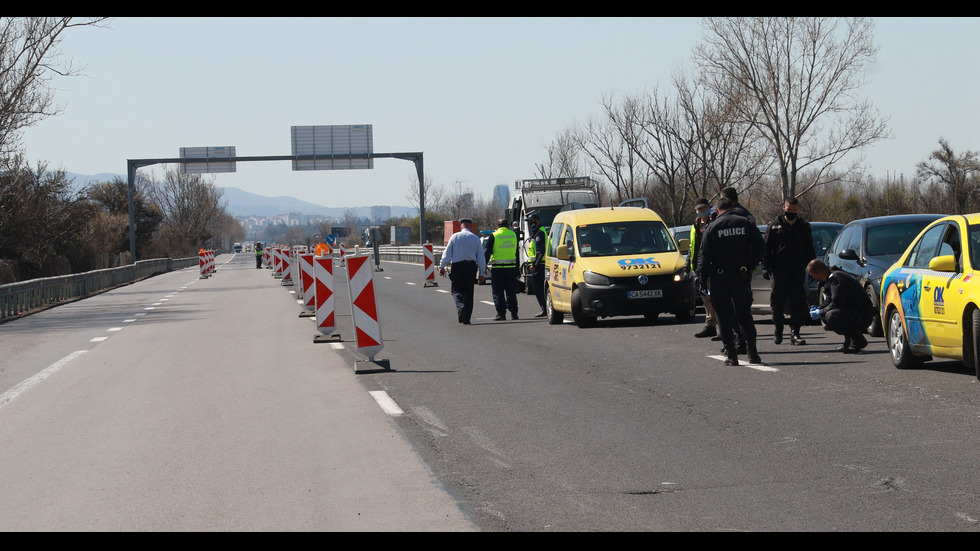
(112, 329)
(387, 404)
(44, 374)
(98, 339)
(758, 367)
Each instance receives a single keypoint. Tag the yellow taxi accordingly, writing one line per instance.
(931, 295)
(616, 261)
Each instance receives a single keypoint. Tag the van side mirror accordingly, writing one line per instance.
(562, 252)
(945, 263)
(684, 245)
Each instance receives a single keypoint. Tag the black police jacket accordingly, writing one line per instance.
(730, 242)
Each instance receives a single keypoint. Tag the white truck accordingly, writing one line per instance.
(547, 197)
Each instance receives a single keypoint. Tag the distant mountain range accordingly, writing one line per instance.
(243, 203)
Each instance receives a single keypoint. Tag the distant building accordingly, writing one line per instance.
(501, 196)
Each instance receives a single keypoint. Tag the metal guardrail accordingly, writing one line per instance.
(405, 253)
(27, 296)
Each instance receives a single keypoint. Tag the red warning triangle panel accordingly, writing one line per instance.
(322, 291)
(364, 340)
(365, 301)
(328, 322)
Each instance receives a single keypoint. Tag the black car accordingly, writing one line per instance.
(866, 248)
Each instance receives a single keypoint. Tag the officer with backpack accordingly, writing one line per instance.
(848, 309)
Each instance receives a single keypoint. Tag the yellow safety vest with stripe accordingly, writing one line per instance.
(532, 246)
(504, 254)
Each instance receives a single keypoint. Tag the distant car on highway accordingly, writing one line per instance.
(866, 248)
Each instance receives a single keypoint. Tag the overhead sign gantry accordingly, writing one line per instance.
(333, 147)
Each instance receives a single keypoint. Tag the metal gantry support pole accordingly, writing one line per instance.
(133, 164)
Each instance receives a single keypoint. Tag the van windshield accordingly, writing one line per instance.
(623, 238)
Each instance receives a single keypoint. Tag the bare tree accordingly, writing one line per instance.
(563, 157)
(29, 61)
(957, 174)
(601, 141)
(797, 81)
(192, 208)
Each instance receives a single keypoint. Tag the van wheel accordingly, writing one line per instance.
(875, 329)
(554, 316)
(898, 343)
(580, 318)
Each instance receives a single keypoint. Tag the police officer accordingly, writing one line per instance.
(258, 255)
(729, 252)
(501, 256)
(536, 244)
(789, 247)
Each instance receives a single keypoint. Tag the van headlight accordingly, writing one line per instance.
(593, 278)
(682, 275)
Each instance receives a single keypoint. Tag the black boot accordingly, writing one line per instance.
(732, 359)
(846, 347)
(708, 331)
(754, 354)
(777, 335)
(794, 337)
(859, 341)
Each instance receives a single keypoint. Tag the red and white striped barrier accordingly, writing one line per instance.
(364, 310)
(323, 296)
(212, 268)
(267, 258)
(277, 262)
(429, 261)
(306, 289)
(343, 252)
(287, 270)
(202, 261)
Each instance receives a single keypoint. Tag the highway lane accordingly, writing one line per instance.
(207, 407)
(631, 426)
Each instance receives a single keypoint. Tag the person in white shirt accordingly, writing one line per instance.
(465, 259)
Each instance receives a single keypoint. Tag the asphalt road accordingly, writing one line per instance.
(630, 426)
(185, 404)
(216, 411)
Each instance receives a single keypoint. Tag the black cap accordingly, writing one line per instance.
(466, 219)
(533, 215)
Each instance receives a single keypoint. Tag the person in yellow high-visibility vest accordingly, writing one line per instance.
(501, 256)
(258, 255)
(535, 254)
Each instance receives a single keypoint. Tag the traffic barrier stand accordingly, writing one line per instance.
(202, 261)
(323, 297)
(306, 288)
(429, 261)
(364, 310)
(343, 252)
(212, 267)
(287, 272)
(277, 263)
(267, 258)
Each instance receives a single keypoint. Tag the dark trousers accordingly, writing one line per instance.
(732, 298)
(537, 285)
(788, 284)
(463, 277)
(503, 285)
(846, 322)
(258, 261)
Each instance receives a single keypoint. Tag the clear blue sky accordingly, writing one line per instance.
(480, 97)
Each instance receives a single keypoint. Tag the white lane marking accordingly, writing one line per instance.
(129, 320)
(741, 362)
(487, 302)
(111, 329)
(387, 277)
(387, 404)
(44, 374)
(409, 283)
(98, 339)
(441, 291)
(148, 308)
(157, 303)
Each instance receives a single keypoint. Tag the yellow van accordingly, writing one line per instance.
(616, 261)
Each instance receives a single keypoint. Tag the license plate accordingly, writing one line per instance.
(649, 293)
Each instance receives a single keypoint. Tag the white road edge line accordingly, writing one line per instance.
(44, 374)
(741, 362)
(387, 404)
